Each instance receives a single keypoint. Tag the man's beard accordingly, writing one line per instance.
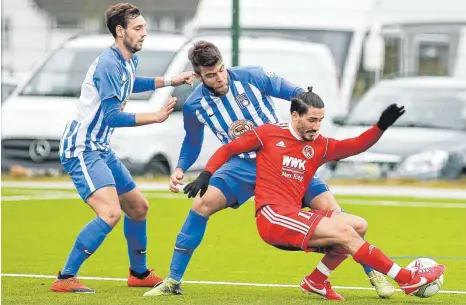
(129, 47)
(215, 92)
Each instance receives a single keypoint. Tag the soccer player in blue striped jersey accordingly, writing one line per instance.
(101, 179)
(230, 102)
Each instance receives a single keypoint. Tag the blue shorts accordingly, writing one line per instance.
(236, 179)
(92, 170)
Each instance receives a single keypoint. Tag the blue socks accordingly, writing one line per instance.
(136, 236)
(367, 269)
(89, 239)
(187, 241)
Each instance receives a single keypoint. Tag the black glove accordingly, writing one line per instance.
(389, 116)
(200, 184)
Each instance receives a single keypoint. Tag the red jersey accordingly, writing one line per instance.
(285, 162)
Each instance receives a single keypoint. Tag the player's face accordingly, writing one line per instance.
(215, 78)
(308, 125)
(134, 35)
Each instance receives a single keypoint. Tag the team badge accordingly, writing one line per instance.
(308, 151)
(239, 127)
(242, 100)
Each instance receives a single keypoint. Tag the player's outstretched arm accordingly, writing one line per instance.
(142, 84)
(248, 142)
(114, 117)
(337, 150)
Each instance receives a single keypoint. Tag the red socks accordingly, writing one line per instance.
(373, 257)
(329, 263)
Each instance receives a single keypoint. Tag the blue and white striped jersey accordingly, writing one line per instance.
(247, 104)
(109, 76)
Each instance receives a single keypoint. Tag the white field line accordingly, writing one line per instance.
(363, 202)
(41, 276)
(418, 192)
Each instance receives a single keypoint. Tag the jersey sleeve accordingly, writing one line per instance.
(193, 139)
(272, 84)
(142, 84)
(247, 142)
(107, 79)
(340, 149)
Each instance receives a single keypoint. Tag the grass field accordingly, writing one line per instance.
(39, 228)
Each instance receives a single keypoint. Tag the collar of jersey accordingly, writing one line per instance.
(117, 50)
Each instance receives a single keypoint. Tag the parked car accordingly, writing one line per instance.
(427, 142)
(9, 84)
(35, 114)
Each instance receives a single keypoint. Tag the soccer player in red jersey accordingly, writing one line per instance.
(288, 156)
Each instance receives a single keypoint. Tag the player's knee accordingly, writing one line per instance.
(139, 210)
(111, 216)
(206, 206)
(361, 226)
(345, 234)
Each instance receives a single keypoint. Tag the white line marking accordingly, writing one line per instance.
(418, 192)
(41, 276)
(363, 202)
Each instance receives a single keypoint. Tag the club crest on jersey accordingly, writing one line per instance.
(239, 127)
(242, 100)
(308, 151)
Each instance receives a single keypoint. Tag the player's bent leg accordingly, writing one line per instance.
(189, 239)
(136, 207)
(105, 203)
(319, 197)
(358, 223)
(329, 232)
(289, 228)
(230, 186)
(382, 286)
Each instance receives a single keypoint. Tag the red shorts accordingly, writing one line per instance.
(288, 227)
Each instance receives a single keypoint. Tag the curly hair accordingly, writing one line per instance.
(119, 14)
(205, 54)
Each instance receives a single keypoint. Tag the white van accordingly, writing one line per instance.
(34, 117)
(420, 37)
(35, 114)
(303, 63)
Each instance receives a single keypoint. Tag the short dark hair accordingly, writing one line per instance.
(119, 14)
(205, 54)
(305, 100)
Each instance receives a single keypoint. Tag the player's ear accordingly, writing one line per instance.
(119, 31)
(198, 77)
(294, 116)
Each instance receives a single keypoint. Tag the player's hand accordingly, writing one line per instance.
(200, 184)
(183, 78)
(164, 113)
(175, 180)
(390, 115)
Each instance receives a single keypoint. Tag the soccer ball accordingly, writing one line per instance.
(430, 289)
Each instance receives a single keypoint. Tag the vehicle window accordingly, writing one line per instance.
(6, 90)
(425, 107)
(63, 73)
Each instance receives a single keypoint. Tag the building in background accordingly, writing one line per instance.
(31, 28)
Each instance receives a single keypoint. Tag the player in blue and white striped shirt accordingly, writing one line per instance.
(229, 102)
(100, 177)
